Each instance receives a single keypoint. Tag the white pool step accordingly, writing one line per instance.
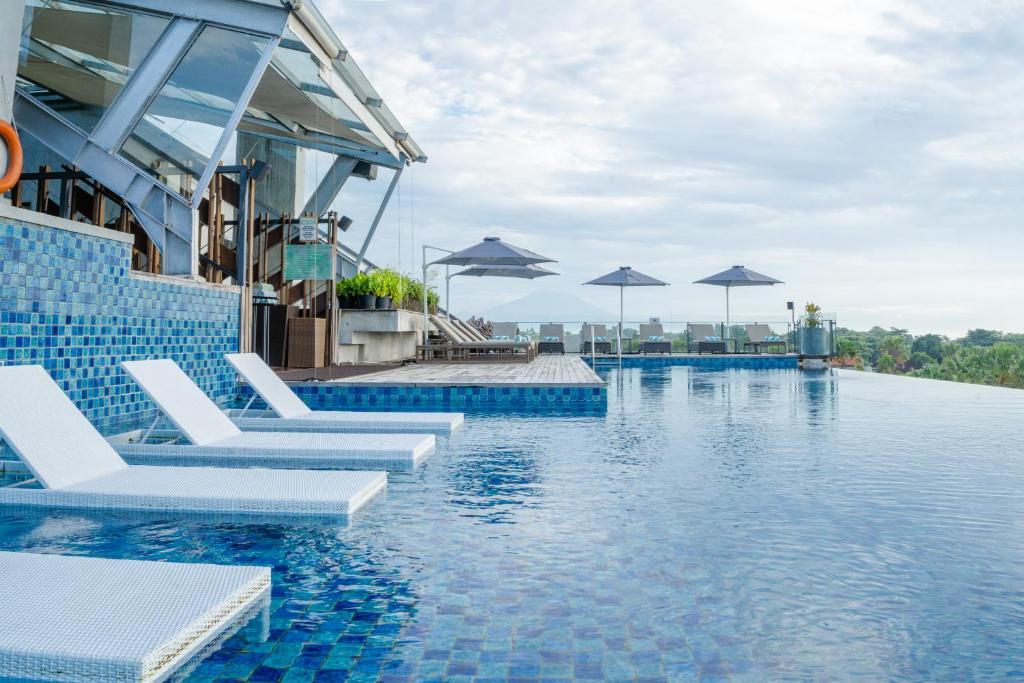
(87, 619)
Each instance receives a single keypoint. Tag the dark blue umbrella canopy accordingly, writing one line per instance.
(529, 272)
(493, 252)
(622, 278)
(738, 276)
(627, 277)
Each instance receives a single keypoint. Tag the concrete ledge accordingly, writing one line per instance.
(43, 220)
(182, 281)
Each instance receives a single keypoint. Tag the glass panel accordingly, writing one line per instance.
(76, 57)
(181, 128)
(293, 93)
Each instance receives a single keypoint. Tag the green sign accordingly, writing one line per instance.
(308, 262)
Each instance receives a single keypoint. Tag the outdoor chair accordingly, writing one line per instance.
(69, 618)
(704, 339)
(78, 468)
(504, 331)
(652, 339)
(287, 412)
(552, 339)
(760, 335)
(472, 332)
(213, 439)
(465, 348)
(601, 343)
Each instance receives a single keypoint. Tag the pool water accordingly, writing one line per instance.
(722, 525)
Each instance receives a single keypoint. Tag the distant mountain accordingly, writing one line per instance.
(544, 306)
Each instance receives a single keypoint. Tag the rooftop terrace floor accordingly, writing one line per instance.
(546, 370)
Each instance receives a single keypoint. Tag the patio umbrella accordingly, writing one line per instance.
(737, 276)
(530, 272)
(493, 252)
(622, 278)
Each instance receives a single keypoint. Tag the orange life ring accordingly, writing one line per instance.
(15, 158)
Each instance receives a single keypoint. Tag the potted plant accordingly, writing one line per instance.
(344, 291)
(384, 284)
(813, 336)
(365, 299)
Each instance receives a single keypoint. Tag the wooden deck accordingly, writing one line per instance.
(546, 370)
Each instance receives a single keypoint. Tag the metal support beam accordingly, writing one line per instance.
(376, 219)
(330, 186)
(119, 120)
(164, 215)
(322, 142)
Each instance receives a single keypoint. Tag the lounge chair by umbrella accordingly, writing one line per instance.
(624, 277)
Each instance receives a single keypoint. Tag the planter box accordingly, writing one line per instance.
(379, 336)
(814, 341)
(307, 341)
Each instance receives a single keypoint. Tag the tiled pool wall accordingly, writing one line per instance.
(709, 361)
(69, 303)
(338, 396)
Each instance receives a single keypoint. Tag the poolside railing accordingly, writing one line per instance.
(679, 333)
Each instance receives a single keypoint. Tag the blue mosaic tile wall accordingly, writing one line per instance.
(69, 303)
(709, 361)
(559, 399)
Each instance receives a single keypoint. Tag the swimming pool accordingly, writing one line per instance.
(729, 524)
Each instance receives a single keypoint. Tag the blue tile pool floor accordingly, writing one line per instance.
(742, 525)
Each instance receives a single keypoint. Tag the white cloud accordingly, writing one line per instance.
(868, 153)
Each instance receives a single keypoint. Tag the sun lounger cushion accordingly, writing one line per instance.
(712, 338)
(268, 385)
(191, 411)
(656, 338)
(50, 435)
(90, 619)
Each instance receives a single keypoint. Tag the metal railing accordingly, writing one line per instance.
(683, 335)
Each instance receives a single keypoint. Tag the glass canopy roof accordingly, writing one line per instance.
(165, 86)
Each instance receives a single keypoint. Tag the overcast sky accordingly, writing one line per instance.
(869, 154)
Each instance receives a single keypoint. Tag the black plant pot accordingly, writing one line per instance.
(366, 302)
(344, 301)
(383, 302)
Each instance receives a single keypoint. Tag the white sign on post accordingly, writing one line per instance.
(307, 230)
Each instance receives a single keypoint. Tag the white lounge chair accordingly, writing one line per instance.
(215, 440)
(77, 467)
(89, 619)
(552, 338)
(288, 412)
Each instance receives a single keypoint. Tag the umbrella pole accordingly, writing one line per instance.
(621, 289)
(725, 332)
